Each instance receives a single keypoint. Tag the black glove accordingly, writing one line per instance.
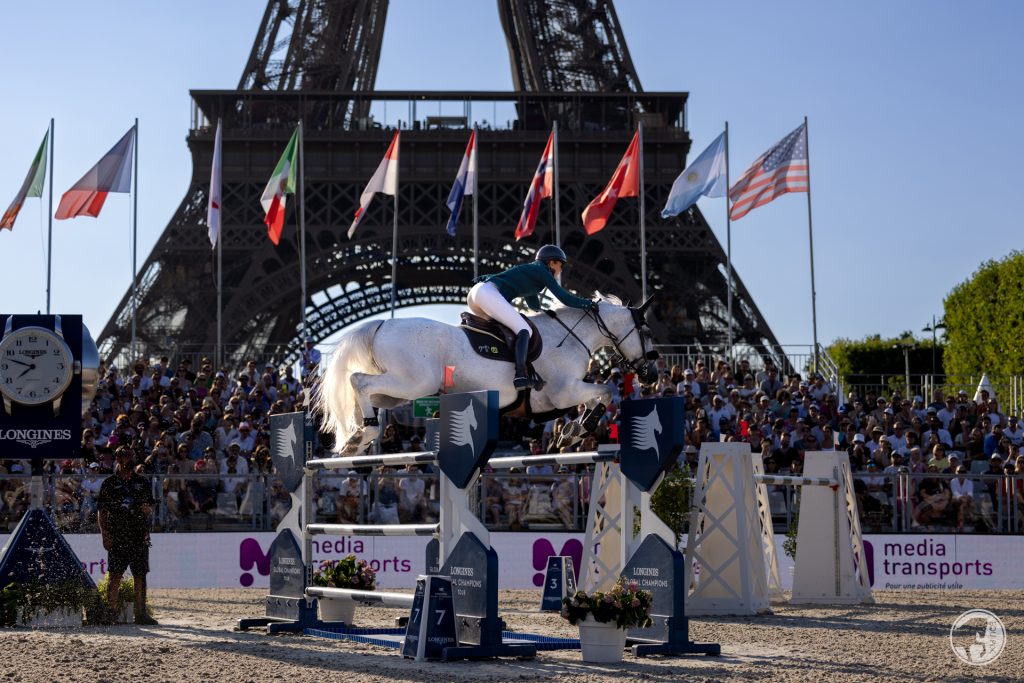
(593, 306)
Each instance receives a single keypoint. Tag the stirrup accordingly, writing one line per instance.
(523, 383)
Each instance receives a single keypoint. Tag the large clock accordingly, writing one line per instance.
(36, 366)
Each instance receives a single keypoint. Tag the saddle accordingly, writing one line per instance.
(494, 341)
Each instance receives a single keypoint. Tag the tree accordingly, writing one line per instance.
(873, 357)
(985, 320)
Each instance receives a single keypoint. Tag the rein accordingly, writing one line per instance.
(605, 332)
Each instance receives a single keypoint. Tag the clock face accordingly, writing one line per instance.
(35, 366)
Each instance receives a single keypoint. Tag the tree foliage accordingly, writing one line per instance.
(875, 356)
(985, 320)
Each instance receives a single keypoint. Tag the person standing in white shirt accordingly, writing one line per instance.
(963, 495)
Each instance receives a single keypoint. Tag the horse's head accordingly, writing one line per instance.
(626, 328)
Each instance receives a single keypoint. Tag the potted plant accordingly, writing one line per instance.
(39, 605)
(347, 573)
(603, 618)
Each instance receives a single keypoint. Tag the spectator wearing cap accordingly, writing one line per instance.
(875, 481)
(883, 454)
(935, 427)
(246, 439)
(310, 358)
(234, 474)
(689, 383)
(873, 443)
(857, 451)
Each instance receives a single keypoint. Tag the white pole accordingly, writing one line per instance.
(643, 217)
(728, 242)
(394, 241)
(476, 205)
(810, 244)
(217, 151)
(49, 232)
(135, 233)
(302, 227)
(554, 181)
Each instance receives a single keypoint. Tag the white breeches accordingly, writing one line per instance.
(485, 300)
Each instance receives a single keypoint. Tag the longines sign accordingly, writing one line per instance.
(35, 437)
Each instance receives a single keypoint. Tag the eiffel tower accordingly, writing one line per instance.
(316, 61)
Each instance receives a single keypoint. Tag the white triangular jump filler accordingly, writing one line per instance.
(731, 557)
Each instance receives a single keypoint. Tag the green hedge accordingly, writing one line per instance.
(985, 320)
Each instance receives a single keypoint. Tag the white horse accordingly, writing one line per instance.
(385, 364)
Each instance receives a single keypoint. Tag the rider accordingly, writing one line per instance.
(492, 298)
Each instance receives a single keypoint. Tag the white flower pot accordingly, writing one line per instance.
(601, 643)
(337, 610)
(59, 618)
(127, 614)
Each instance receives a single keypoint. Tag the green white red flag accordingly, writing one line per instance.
(32, 187)
(280, 185)
(113, 173)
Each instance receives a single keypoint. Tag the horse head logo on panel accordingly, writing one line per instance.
(644, 436)
(462, 426)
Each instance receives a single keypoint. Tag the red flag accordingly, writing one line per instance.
(113, 173)
(625, 182)
(542, 185)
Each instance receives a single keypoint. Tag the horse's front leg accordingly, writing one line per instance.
(595, 398)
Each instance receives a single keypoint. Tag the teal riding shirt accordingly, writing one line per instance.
(528, 281)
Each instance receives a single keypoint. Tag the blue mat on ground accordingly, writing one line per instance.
(393, 637)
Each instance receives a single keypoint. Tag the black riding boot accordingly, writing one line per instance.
(522, 380)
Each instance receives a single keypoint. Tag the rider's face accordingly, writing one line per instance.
(555, 267)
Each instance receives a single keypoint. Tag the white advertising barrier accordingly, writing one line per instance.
(235, 560)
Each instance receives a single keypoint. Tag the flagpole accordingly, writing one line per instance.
(476, 207)
(49, 232)
(135, 232)
(554, 180)
(302, 227)
(810, 242)
(220, 259)
(728, 240)
(643, 217)
(394, 243)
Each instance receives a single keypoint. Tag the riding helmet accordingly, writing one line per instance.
(550, 252)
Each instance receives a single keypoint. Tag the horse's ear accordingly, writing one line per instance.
(644, 306)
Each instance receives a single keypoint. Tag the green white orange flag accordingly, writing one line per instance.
(32, 187)
(281, 184)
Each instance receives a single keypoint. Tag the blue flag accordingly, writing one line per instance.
(704, 177)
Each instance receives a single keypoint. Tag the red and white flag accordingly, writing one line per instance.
(213, 209)
(385, 180)
(113, 173)
(625, 182)
(542, 185)
(280, 185)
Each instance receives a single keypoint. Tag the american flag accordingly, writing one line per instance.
(783, 168)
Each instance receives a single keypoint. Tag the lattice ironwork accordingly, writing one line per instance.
(321, 74)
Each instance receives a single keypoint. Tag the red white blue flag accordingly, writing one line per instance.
(465, 181)
(543, 185)
(783, 168)
(384, 180)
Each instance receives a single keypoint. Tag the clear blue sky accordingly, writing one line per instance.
(915, 110)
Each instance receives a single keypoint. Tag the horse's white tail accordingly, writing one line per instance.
(336, 399)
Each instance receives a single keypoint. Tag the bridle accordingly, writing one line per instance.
(641, 365)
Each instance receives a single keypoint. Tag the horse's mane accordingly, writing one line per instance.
(600, 296)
